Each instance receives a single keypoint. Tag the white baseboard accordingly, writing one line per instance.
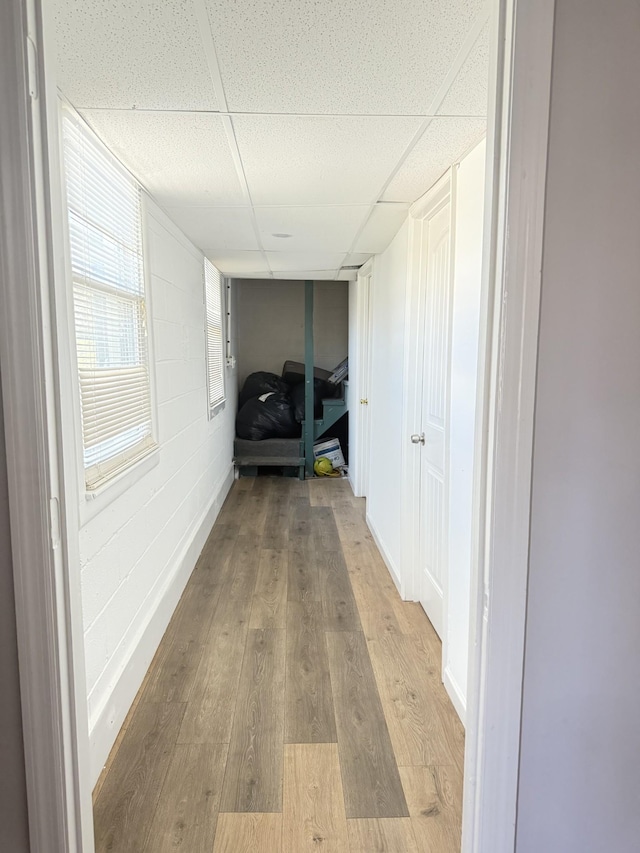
(395, 576)
(456, 695)
(144, 644)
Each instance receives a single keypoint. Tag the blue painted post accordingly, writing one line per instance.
(308, 376)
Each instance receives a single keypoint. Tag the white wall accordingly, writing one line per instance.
(465, 328)
(384, 499)
(579, 777)
(271, 324)
(137, 553)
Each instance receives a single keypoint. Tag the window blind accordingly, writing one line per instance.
(105, 235)
(214, 335)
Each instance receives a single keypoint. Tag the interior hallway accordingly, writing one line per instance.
(295, 702)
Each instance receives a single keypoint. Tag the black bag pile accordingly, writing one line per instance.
(321, 391)
(262, 382)
(266, 409)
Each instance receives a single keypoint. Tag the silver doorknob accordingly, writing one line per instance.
(417, 439)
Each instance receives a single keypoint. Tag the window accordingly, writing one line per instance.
(105, 235)
(214, 334)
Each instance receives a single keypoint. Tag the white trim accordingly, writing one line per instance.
(51, 664)
(146, 639)
(522, 46)
(455, 694)
(361, 383)
(384, 553)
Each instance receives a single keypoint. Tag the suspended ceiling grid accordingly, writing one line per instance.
(253, 119)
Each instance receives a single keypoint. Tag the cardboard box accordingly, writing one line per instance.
(329, 448)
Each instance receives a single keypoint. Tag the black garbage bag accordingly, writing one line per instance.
(268, 416)
(321, 391)
(259, 383)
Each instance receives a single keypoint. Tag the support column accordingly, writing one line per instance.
(308, 376)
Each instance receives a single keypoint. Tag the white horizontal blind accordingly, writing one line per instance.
(215, 344)
(105, 233)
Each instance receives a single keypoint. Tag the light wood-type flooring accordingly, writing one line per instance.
(295, 702)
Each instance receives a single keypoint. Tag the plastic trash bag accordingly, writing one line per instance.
(259, 383)
(269, 416)
(321, 391)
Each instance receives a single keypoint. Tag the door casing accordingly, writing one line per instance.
(522, 46)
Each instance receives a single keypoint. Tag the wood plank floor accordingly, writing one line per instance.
(295, 702)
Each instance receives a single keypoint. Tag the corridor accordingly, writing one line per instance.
(295, 702)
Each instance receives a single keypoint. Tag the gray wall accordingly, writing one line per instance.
(580, 768)
(271, 324)
(14, 833)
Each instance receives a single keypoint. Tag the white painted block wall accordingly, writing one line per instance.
(138, 552)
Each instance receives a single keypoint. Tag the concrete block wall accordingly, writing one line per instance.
(137, 552)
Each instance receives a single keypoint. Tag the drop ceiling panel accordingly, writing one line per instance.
(337, 56)
(443, 143)
(241, 263)
(469, 92)
(319, 229)
(381, 228)
(305, 275)
(132, 55)
(287, 261)
(181, 158)
(216, 229)
(320, 160)
(357, 259)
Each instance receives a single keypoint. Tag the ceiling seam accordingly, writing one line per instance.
(213, 64)
(432, 112)
(245, 114)
(210, 52)
(461, 57)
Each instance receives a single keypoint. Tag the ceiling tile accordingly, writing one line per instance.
(381, 228)
(240, 263)
(182, 159)
(287, 261)
(319, 229)
(469, 91)
(142, 55)
(262, 276)
(216, 229)
(358, 259)
(337, 56)
(320, 160)
(443, 143)
(304, 275)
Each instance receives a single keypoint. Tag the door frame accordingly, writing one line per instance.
(516, 171)
(361, 373)
(48, 610)
(48, 617)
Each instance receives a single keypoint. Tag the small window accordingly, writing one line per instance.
(105, 235)
(214, 335)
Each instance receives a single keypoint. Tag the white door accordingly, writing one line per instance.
(433, 515)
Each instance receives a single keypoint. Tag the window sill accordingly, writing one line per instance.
(95, 501)
(216, 410)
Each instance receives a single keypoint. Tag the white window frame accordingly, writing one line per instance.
(93, 500)
(214, 404)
